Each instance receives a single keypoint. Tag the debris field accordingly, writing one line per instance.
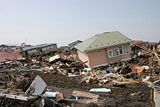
(63, 80)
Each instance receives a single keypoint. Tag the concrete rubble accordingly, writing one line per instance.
(62, 80)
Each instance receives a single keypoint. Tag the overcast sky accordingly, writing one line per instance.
(64, 21)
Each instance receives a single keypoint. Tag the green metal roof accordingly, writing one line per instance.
(102, 40)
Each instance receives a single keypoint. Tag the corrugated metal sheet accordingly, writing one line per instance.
(6, 56)
(137, 42)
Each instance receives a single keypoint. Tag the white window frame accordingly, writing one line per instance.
(124, 50)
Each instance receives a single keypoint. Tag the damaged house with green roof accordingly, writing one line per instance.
(104, 48)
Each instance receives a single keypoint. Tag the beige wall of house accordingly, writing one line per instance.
(83, 57)
(97, 57)
(100, 57)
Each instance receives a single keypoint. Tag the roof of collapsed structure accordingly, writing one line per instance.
(103, 40)
(6, 56)
(37, 46)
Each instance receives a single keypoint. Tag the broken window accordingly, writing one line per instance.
(52, 47)
(32, 51)
(115, 52)
(125, 49)
(46, 48)
(120, 50)
(110, 53)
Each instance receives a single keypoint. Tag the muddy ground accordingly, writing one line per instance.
(131, 96)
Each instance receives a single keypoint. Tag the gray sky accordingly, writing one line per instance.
(64, 21)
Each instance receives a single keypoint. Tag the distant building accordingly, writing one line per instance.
(3, 47)
(6, 47)
(105, 48)
(64, 48)
(71, 45)
(43, 49)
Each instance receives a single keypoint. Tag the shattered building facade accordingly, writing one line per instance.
(39, 49)
(105, 48)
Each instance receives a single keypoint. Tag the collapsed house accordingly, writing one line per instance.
(105, 48)
(37, 50)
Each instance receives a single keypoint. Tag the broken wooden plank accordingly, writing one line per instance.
(17, 97)
(82, 101)
(84, 94)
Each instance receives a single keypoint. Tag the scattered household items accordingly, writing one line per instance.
(101, 90)
(36, 87)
